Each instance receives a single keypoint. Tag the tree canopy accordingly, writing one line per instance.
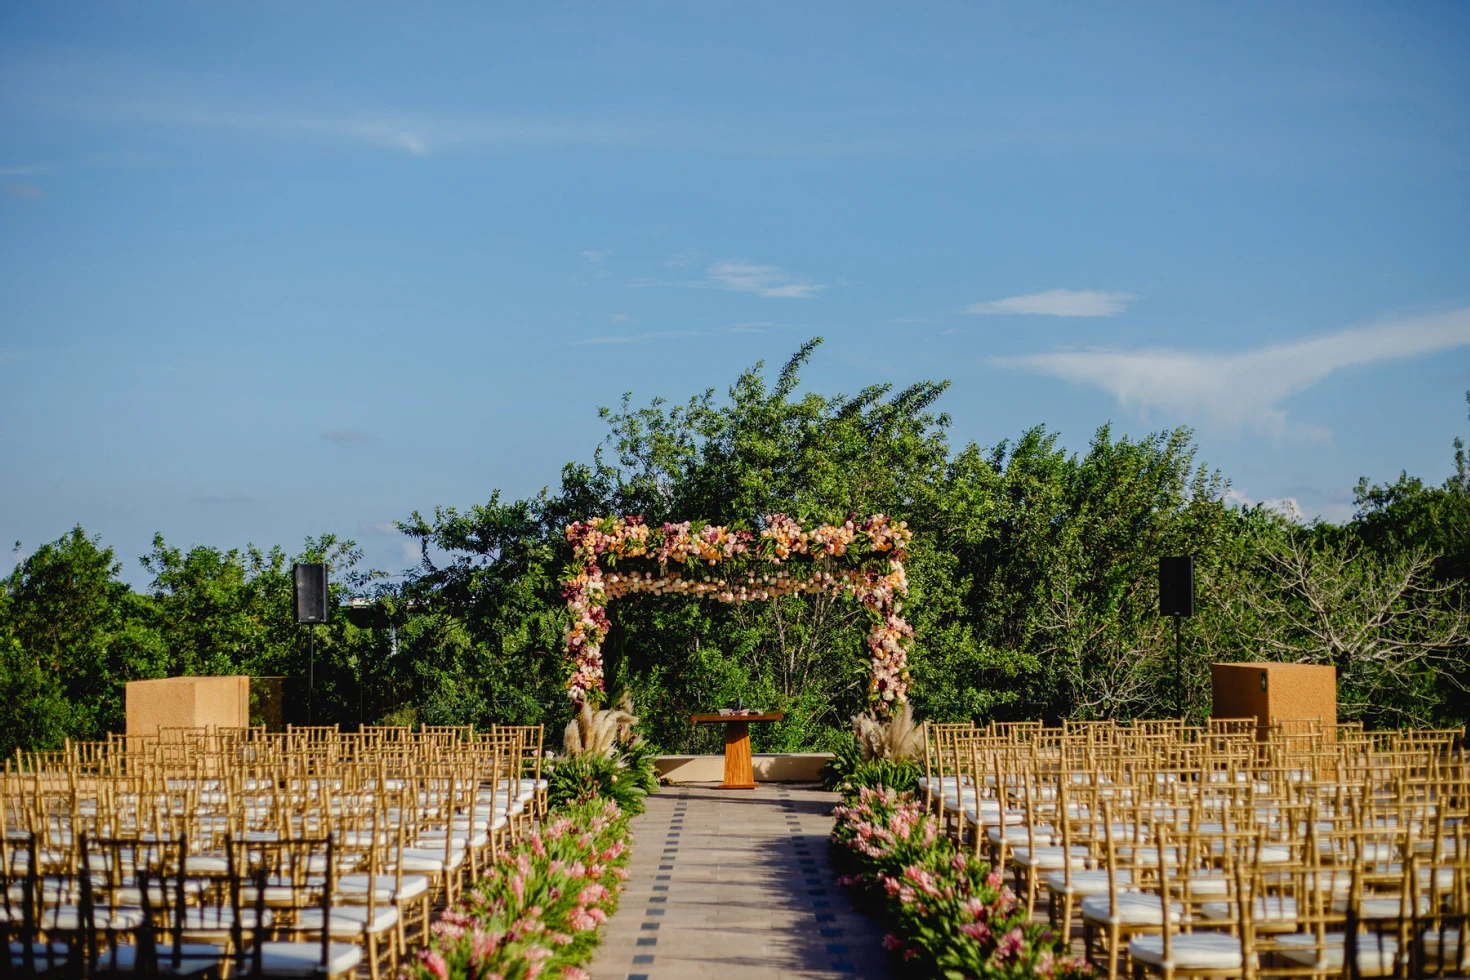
(1032, 574)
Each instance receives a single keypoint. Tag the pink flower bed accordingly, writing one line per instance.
(538, 909)
(949, 915)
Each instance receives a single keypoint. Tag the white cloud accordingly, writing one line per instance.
(1245, 390)
(25, 190)
(769, 281)
(680, 259)
(377, 527)
(1286, 506)
(620, 317)
(1059, 302)
(596, 255)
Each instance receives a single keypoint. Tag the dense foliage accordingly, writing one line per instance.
(950, 914)
(1032, 577)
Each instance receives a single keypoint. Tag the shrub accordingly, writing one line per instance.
(625, 777)
(901, 775)
(847, 755)
(951, 916)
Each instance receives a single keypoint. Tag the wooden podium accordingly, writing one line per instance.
(738, 774)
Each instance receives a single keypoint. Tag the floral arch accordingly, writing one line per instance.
(616, 556)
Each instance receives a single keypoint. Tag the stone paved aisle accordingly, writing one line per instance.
(736, 884)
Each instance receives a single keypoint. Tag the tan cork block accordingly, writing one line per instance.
(188, 702)
(1272, 692)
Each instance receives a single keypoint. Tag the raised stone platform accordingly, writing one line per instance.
(788, 767)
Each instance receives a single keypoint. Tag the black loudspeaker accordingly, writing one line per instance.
(1176, 586)
(311, 593)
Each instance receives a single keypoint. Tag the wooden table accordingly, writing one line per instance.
(738, 774)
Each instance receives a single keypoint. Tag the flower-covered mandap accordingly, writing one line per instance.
(615, 556)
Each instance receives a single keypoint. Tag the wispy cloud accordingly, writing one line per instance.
(25, 190)
(681, 259)
(740, 276)
(417, 134)
(377, 527)
(596, 255)
(346, 435)
(26, 170)
(1058, 302)
(620, 317)
(769, 281)
(1245, 390)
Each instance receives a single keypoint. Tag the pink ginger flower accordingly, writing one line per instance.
(1010, 944)
(892, 942)
(977, 931)
(435, 962)
(994, 879)
(580, 921)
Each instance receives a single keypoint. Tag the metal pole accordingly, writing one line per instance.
(1178, 666)
(311, 669)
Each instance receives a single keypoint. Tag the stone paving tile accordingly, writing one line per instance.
(735, 884)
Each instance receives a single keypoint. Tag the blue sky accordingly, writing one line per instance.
(268, 270)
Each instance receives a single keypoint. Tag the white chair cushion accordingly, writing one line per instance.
(1266, 908)
(195, 958)
(1133, 910)
(356, 885)
(1017, 835)
(1148, 855)
(1191, 951)
(1050, 858)
(989, 813)
(206, 864)
(1375, 958)
(431, 861)
(945, 783)
(1207, 883)
(1441, 946)
(1378, 909)
(1086, 882)
(218, 920)
(39, 954)
(69, 917)
(304, 959)
(349, 920)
